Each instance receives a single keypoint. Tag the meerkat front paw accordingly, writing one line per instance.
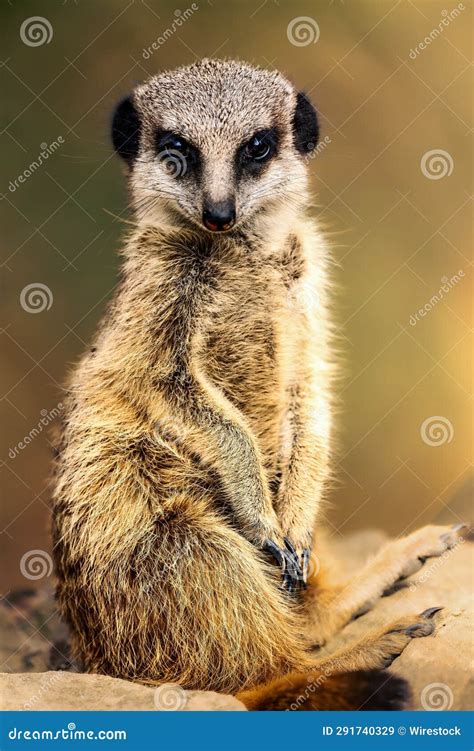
(293, 565)
(297, 580)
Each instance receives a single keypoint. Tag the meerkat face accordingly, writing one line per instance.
(216, 144)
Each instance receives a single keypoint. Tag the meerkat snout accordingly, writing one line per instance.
(219, 216)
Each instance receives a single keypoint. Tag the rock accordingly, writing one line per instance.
(209, 700)
(61, 690)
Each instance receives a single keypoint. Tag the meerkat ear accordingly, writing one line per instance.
(305, 125)
(126, 130)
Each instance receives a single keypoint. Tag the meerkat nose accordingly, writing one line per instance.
(219, 216)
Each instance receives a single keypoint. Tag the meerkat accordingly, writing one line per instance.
(196, 437)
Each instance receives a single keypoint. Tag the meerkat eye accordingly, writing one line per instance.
(175, 154)
(258, 150)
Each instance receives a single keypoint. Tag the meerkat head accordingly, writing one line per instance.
(215, 144)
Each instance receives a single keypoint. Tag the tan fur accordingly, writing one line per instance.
(199, 424)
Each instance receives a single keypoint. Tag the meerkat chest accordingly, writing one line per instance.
(254, 334)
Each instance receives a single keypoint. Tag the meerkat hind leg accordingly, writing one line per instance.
(352, 678)
(379, 648)
(330, 608)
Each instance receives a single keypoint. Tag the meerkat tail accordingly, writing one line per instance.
(362, 690)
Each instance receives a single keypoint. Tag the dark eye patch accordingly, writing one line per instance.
(254, 154)
(178, 156)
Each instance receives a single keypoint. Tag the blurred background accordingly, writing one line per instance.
(393, 186)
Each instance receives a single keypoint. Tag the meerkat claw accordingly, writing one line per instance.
(305, 559)
(458, 527)
(295, 565)
(277, 553)
(290, 547)
(430, 612)
(287, 558)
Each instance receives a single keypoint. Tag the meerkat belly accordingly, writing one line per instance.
(251, 351)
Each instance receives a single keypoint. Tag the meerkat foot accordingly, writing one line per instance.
(400, 634)
(380, 648)
(330, 609)
(429, 542)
